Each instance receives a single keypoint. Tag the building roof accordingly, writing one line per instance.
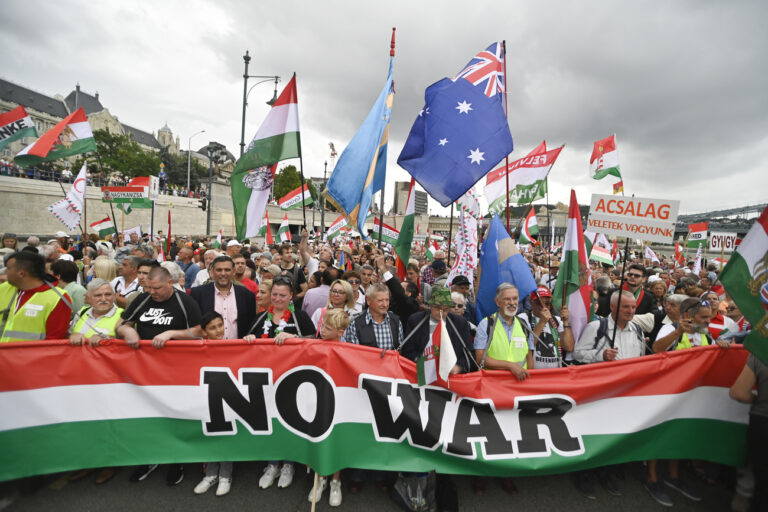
(78, 98)
(144, 138)
(165, 128)
(28, 98)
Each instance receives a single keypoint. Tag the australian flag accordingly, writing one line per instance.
(462, 131)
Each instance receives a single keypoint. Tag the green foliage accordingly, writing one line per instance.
(286, 179)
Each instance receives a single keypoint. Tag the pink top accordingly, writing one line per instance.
(226, 306)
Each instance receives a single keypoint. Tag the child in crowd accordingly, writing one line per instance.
(212, 324)
(335, 322)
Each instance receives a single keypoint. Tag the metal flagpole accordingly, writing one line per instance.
(621, 284)
(551, 236)
(301, 171)
(381, 215)
(506, 159)
(450, 233)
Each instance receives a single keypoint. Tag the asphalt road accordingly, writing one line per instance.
(551, 493)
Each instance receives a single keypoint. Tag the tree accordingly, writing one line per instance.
(118, 153)
(288, 179)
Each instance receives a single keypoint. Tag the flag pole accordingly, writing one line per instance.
(301, 170)
(552, 231)
(381, 204)
(114, 221)
(450, 236)
(506, 158)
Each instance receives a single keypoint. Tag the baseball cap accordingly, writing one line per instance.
(541, 291)
(60, 234)
(438, 265)
(233, 243)
(459, 281)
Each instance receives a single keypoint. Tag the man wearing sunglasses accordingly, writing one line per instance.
(635, 279)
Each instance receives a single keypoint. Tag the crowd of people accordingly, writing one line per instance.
(96, 290)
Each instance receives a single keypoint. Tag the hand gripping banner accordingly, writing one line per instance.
(333, 405)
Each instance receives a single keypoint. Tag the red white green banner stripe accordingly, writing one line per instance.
(530, 228)
(71, 136)
(284, 231)
(104, 227)
(388, 234)
(527, 179)
(333, 405)
(697, 234)
(745, 278)
(15, 125)
(335, 229)
(296, 198)
(601, 254)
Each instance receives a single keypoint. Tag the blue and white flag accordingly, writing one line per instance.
(462, 131)
(500, 262)
(362, 166)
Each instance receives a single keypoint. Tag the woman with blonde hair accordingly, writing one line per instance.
(104, 268)
(264, 295)
(340, 296)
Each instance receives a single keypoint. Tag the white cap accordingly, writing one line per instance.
(67, 257)
(60, 234)
(233, 243)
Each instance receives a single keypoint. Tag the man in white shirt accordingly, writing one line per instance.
(629, 340)
(128, 280)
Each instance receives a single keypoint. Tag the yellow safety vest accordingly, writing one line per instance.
(514, 349)
(104, 326)
(685, 342)
(28, 323)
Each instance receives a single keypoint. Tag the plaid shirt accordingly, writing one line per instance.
(382, 332)
(427, 276)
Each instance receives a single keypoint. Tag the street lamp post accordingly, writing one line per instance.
(189, 155)
(247, 91)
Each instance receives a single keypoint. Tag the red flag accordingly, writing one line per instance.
(679, 256)
(615, 252)
(270, 240)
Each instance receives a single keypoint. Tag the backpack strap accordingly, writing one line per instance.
(138, 308)
(258, 319)
(490, 326)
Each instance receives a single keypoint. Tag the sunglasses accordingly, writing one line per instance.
(705, 303)
(282, 280)
(353, 281)
(731, 308)
(634, 275)
(459, 306)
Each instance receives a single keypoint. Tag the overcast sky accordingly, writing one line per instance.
(684, 85)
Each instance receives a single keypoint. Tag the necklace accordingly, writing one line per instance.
(283, 320)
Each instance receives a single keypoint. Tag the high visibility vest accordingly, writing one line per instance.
(104, 326)
(513, 349)
(685, 342)
(28, 323)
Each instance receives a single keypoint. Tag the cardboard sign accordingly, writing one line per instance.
(652, 220)
(722, 241)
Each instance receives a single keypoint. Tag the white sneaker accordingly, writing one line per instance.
(315, 497)
(268, 478)
(286, 475)
(334, 499)
(224, 485)
(205, 484)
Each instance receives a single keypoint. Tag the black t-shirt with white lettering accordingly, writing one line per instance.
(152, 318)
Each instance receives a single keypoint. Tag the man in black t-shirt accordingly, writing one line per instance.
(160, 313)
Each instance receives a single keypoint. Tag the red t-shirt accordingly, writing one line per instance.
(58, 321)
(251, 285)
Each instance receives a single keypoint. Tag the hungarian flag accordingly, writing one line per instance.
(650, 255)
(284, 231)
(15, 125)
(615, 252)
(745, 278)
(217, 242)
(105, 227)
(438, 357)
(388, 235)
(605, 159)
(530, 228)
(527, 179)
(335, 229)
(574, 281)
(601, 254)
(618, 187)
(266, 230)
(404, 241)
(679, 255)
(697, 234)
(72, 136)
(277, 139)
(296, 198)
(697, 262)
(431, 250)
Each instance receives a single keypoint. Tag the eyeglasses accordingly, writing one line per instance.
(705, 303)
(353, 281)
(634, 275)
(338, 292)
(459, 306)
(282, 280)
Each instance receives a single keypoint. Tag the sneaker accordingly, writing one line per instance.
(609, 483)
(657, 492)
(314, 497)
(682, 488)
(268, 478)
(225, 484)
(586, 486)
(205, 484)
(286, 475)
(142, 472)
(334, 499)
(175, 474)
